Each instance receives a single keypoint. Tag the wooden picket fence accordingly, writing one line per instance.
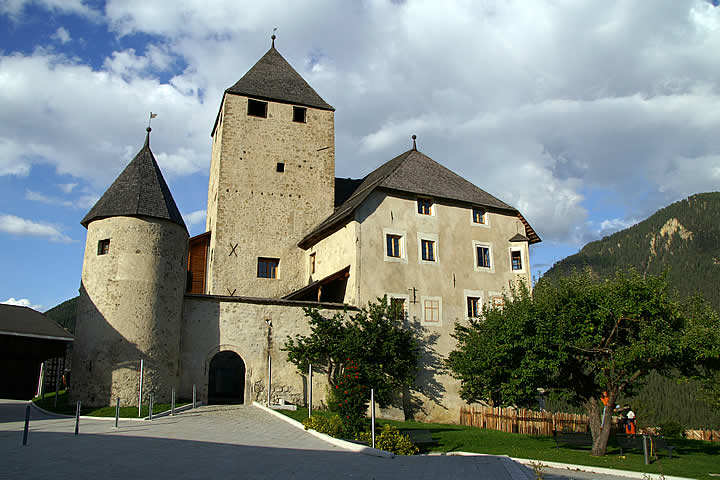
(521, 420)
(708, 435)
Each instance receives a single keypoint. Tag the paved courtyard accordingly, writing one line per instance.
(211, 442)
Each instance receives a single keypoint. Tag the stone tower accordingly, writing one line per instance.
(133, 284)
(272, 179)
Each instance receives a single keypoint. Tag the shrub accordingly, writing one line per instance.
(671, 428)
(353, 398)
(391, 440)
(332, 426)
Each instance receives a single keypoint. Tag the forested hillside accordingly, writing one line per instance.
(684, 236)
(64, 314)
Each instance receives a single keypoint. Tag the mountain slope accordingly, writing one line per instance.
(64, 314)
(684, 236)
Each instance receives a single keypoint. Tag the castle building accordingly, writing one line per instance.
(282, 233)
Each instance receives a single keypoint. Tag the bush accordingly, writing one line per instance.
(332, 426)
(671, 428)
(353, 397)
(391, 440)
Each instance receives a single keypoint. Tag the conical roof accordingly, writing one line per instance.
(140, 190)
(273, 78)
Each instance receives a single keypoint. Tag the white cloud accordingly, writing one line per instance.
(196, 217)
(22, 302)
(34, 196)
(67, 187)
(23, 227)
(61, 35)
(15, 8)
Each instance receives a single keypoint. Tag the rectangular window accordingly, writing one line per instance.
(398, 307)
(483, 257)
(432, 311)
(299, 114)
(424, 206)
(267, 267)
(393, 246)
(257, 108)
(103, 247)
(428, 250)
(473, 307)
(280, 167)
(312, 263)
(478, 215)
(516, 259)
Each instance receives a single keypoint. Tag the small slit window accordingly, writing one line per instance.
(103, 247)
(312, 263)
(257, 108)
(299, 114)
(268, 267)
(280, 167)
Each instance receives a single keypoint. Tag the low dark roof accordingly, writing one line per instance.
(410, 172)
(303, 292)
(518, 237)
(26, 322)
(273, 78)
(344, 188)
(140, 190)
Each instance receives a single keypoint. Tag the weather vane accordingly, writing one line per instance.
(152, 115)
(273, 37)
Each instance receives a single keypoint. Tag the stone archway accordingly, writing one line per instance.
(226, 379)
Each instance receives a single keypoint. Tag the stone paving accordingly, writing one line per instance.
(212, 442)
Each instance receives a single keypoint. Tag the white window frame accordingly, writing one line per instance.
(473, 294)
(432, 237)
(487, 245)
(433, 207)
(440, 312)
(405, 297)
(522, 259)
(492, 296)
(403, 245)
(487, 218)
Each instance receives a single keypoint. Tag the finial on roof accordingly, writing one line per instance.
(148, 129)
(414, 137)
(273, 37)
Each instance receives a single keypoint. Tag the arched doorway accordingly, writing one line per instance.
(227, 378)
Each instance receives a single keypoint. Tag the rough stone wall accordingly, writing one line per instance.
(213, 193)
(451, 278)
(130, 308)
(260, 211)
(251, 330)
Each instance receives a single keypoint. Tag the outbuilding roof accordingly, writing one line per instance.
(416, 173)
(273, 78)
(140, 190)
(26, 322)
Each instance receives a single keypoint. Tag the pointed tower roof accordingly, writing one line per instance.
(140, 190)
(273, 78)
(412, 172)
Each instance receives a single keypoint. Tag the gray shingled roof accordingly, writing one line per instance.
(273, 78)
(140, 190)
(410, 172)
(26, 322)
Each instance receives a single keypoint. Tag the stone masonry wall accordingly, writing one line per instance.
(129, 309)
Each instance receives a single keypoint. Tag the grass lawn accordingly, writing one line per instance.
(691, 458)
(65, 407)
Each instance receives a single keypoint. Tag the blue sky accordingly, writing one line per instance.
(586, 116)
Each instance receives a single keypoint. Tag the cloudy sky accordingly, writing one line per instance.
(587, 116)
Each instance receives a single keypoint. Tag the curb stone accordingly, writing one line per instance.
(354, 447)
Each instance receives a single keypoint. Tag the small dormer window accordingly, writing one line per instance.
(299, 114)
(103, 247)
(257, 108)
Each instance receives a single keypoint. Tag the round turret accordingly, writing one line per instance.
(133, 285)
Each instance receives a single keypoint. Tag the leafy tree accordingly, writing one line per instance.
(582, 336)
(383, 353)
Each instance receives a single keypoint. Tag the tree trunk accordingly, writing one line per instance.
(600, 430)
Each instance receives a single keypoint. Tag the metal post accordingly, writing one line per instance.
(43, 371)
(57, 379)
(269, 378)
(142, 368)
(194, 396)
(152, 404)
(645, 450)
(77, 418)
(372, 414)
(310, 391)
(172, 405)
(117, 412)
(27, 424)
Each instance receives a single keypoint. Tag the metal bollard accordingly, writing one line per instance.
(117, 412)
(77, 418)
(27, 425)
(152, 404)
(372, 414)
(172, 405)
(194, 397)
(645, 449)
(309, 391)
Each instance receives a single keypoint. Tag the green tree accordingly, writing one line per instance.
(581, 336)
(383, 352)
